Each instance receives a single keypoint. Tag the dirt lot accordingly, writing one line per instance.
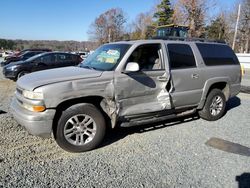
(193, 153)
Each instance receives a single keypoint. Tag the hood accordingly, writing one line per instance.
(37, 79)
(11, 63)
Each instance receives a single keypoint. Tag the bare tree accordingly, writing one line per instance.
(109, 26)
(142, 26)
(193, 14)
(245, 26)
(243, 36)
(179, 16)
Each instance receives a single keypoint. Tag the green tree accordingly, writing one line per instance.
(7, 44)
(217, 29)
(150, 31)
(164, 14)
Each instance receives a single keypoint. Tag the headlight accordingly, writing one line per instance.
(32, 95)
(13, 67)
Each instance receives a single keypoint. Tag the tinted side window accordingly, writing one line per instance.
(28, 55)
(181, 56)
(75, 57)
(35, 53)
(69, 57)
(61, 57)
(48, 59)
(64, 58)
(25, 56)
(217, 54)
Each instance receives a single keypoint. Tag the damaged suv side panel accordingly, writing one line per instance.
(102, 87)
(144, 91)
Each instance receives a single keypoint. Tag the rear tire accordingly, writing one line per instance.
(214, 107)
(80, 128)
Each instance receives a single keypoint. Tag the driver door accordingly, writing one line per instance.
(145, 91)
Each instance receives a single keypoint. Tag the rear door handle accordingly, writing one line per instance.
(195, 76)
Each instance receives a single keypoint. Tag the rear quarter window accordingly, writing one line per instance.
(217, 54)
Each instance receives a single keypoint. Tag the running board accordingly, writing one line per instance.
(154, 119)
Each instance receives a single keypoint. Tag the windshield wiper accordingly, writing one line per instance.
(86, 66)
(89, 67)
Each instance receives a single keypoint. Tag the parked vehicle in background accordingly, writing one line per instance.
(172, 30)
(6, 54)
(83, 55)
(22, 57)
(47, 60)
(127, 84)
(26, 50)
(34, 49)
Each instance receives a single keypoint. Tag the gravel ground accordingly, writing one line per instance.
(170, 154)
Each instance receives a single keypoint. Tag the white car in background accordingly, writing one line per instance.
(6, 54)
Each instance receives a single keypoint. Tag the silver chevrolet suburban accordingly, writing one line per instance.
(127, 84)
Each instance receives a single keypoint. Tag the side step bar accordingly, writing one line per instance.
(153, 119)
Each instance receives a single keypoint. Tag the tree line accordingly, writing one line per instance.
(113, 25)
(50, 44)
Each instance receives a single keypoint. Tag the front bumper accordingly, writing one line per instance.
(9, 73)
(2, 64)
(36, 123)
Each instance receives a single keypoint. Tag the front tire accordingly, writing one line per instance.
(22, 73)
(214, 107)
(80, 128)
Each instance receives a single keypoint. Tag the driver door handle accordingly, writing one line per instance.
(162, 78)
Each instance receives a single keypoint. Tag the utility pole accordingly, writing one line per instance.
(236, 27)
(109, 35)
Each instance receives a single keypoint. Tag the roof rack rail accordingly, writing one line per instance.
(189, 39)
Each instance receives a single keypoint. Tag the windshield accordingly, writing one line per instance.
(23, 54)
(106, 57)
(35, 56)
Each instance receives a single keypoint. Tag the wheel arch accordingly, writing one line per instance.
(221, 84)
(95, 100)
(22, 70)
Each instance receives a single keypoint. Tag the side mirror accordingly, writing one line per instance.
(132, 67)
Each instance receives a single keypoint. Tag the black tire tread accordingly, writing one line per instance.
(205, 113)
(88, 109)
